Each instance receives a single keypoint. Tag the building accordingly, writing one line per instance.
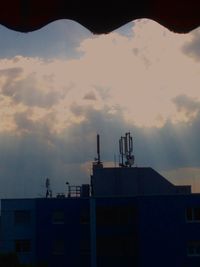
(46, 230)
(132, 217)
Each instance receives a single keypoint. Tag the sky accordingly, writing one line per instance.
(61, 85)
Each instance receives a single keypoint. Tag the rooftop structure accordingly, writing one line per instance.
(131, 217)
(132, 182)
(128, 180)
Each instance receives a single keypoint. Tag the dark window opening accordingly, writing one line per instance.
(193, 214)
(22, 246)
(85, 246)
(193, 248)
(85, 215)
(118, 246)
(115, 215)
(22, 217)
(58, 217)
(58, 247)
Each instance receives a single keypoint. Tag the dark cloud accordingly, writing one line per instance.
(41, 128)
(27, 90)
(103, 92)
(11, 73)
(36, 151)
(90, 96)
(172, 146)
(192, 48)
(77, 110)
(186, 104)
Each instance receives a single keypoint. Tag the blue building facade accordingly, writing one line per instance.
(63, 232)
(47, 232)
(144, 227)
(169, 230)
(149, 231)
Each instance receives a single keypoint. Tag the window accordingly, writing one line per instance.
(58, 217)
(85, 246)
(85, 251)
(85, 215)
(115, 215)
(118, 246)
(193, 248)
(22, 245)
(58, 247)
(22, 217)
(193, 214)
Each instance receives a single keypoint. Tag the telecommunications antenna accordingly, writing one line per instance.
(48, 188)
(127, 159)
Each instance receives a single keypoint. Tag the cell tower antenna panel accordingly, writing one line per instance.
(120, 146)
(121, 151)
(131, 144)
(126, 144)
(125, 150)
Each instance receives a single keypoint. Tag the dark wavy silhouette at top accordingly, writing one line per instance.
(99, 16)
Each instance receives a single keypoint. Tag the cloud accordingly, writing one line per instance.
(187, 105)
(142, 83)
(26, 90)
(51, 110)
(192, 47)
(35, 151)
(90, 96)
(11, 73)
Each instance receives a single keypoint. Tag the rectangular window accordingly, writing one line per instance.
(58, 247)
(115, 215)
(22, 245)
(22, 217)
(118, 246)
(85, 251)
(193, 248)
(85, 215)
(193, 214)
(85, 246)
(58, 217)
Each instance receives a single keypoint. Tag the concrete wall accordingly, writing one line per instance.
(11, 231)
(74, 231)
(131, 182)
(140, 231)
(159, 229)
(165, 232)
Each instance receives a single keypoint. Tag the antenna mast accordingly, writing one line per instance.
(125, 150)
(48, 188)
(97, 163)
(98, 149)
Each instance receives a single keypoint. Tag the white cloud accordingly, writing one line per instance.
(141, 73)
(142, 82)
